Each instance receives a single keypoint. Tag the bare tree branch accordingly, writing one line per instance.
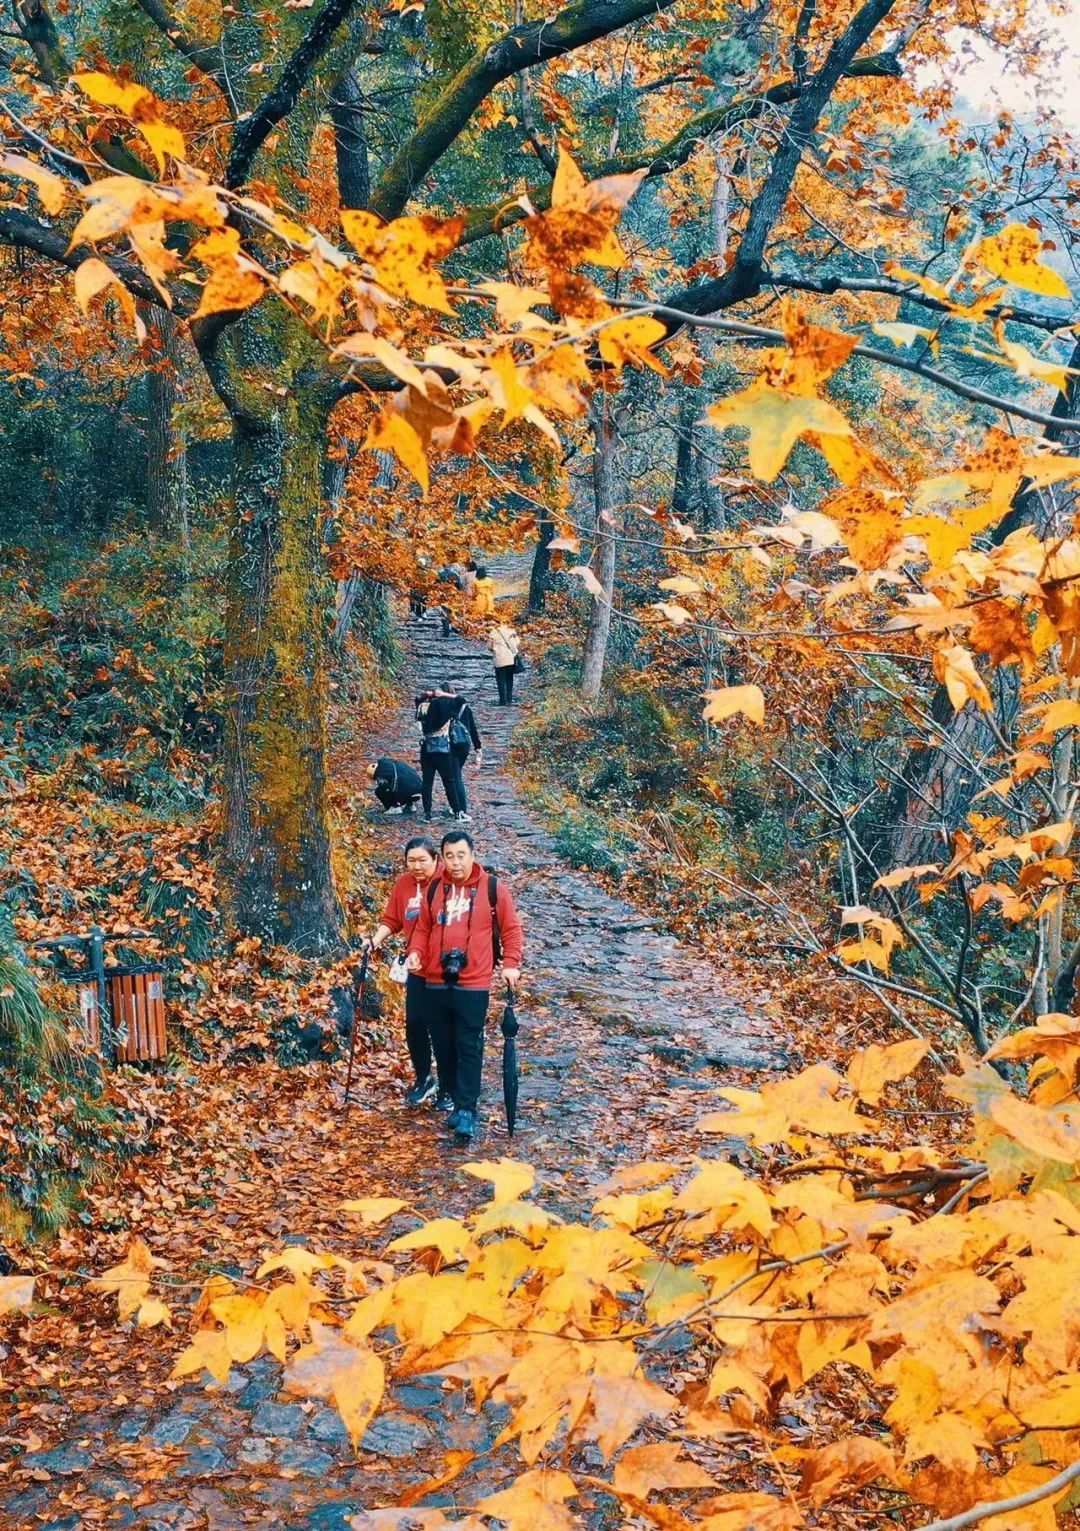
(19, 229)
(520, 47)
(662, 159)
(798, 282)
(252, 131)
(677, 318)
(206, 57)
(994, 1507)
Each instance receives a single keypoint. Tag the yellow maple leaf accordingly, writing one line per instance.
(233, 282)
(646, 1469)
(1014, 254)
(374, 1209)
(152, 1313)
(509, 1179)
(208, 1351)
(139, 106)
(351, 1376)
(534, 1502)
(391, 432)
(245, 1324)
(631, 340)
(130, 1280)
(16, 1294)
(775, 420)
(955, 668)
(726, 701)
(870, 1070)
(52, 189)
(451, 1238)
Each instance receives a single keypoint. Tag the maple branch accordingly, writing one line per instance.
(744, 278)
(681, 318)
(1003, 1506)
(520, 47)
(20, 230)
(252, 131)
(891, 288)
(662, 159)
(206, 57)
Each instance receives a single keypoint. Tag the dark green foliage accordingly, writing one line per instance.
(55, 1096)
(112, 677)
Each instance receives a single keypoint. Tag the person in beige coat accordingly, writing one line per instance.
(505, 647)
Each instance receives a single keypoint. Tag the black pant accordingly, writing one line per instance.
(391, 799)
(417, 1037)
(504, 679)
(460, 756)
(456, 1019)
(442, 766)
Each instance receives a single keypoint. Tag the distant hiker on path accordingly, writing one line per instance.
(435, 711)
(400, 915)
(396, 783)
(467, 925)
(484, 593)
(505, 646)
(464, 737)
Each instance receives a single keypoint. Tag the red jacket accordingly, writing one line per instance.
(468, 906)
(403, 905)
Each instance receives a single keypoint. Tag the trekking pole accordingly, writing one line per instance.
(358, 1000)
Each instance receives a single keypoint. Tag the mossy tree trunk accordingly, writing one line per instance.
(276, 850)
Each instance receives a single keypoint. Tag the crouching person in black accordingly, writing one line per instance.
(397, 786)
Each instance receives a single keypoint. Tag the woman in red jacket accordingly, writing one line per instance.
(403, 907)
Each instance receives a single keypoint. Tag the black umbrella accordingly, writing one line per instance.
(510, 1029)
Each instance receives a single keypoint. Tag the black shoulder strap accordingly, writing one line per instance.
(496, 934)
(432, 889)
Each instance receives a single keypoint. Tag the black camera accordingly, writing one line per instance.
(452, 963)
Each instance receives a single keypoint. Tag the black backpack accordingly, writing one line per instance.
(493, 894)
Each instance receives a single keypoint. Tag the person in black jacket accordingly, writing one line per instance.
(435, 713)
(397, 785)
(464, 737)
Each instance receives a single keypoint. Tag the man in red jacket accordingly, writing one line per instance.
(454, 947)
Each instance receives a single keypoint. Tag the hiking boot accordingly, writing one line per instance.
(421, 1093)
(395, 810)
(464, 1125)
(452, 1119)
(444, 1101)
(464, 818)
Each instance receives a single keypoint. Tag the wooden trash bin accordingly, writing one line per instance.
(136, 999)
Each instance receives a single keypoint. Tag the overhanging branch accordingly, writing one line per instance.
(206, 57)
(252, 131)
(890, 288)
(662, 159)
(679, 318)
(20, 230)
(520, 47)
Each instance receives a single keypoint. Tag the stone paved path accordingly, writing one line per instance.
(623, 1031)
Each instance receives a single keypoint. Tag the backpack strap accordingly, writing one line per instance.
(496, 934)
(431, 892)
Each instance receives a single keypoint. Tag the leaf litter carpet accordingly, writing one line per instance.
(624, 1033)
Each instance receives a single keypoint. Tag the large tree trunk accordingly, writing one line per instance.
(605, 496)
(276, 855)
(541, 565)
(166, 456)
